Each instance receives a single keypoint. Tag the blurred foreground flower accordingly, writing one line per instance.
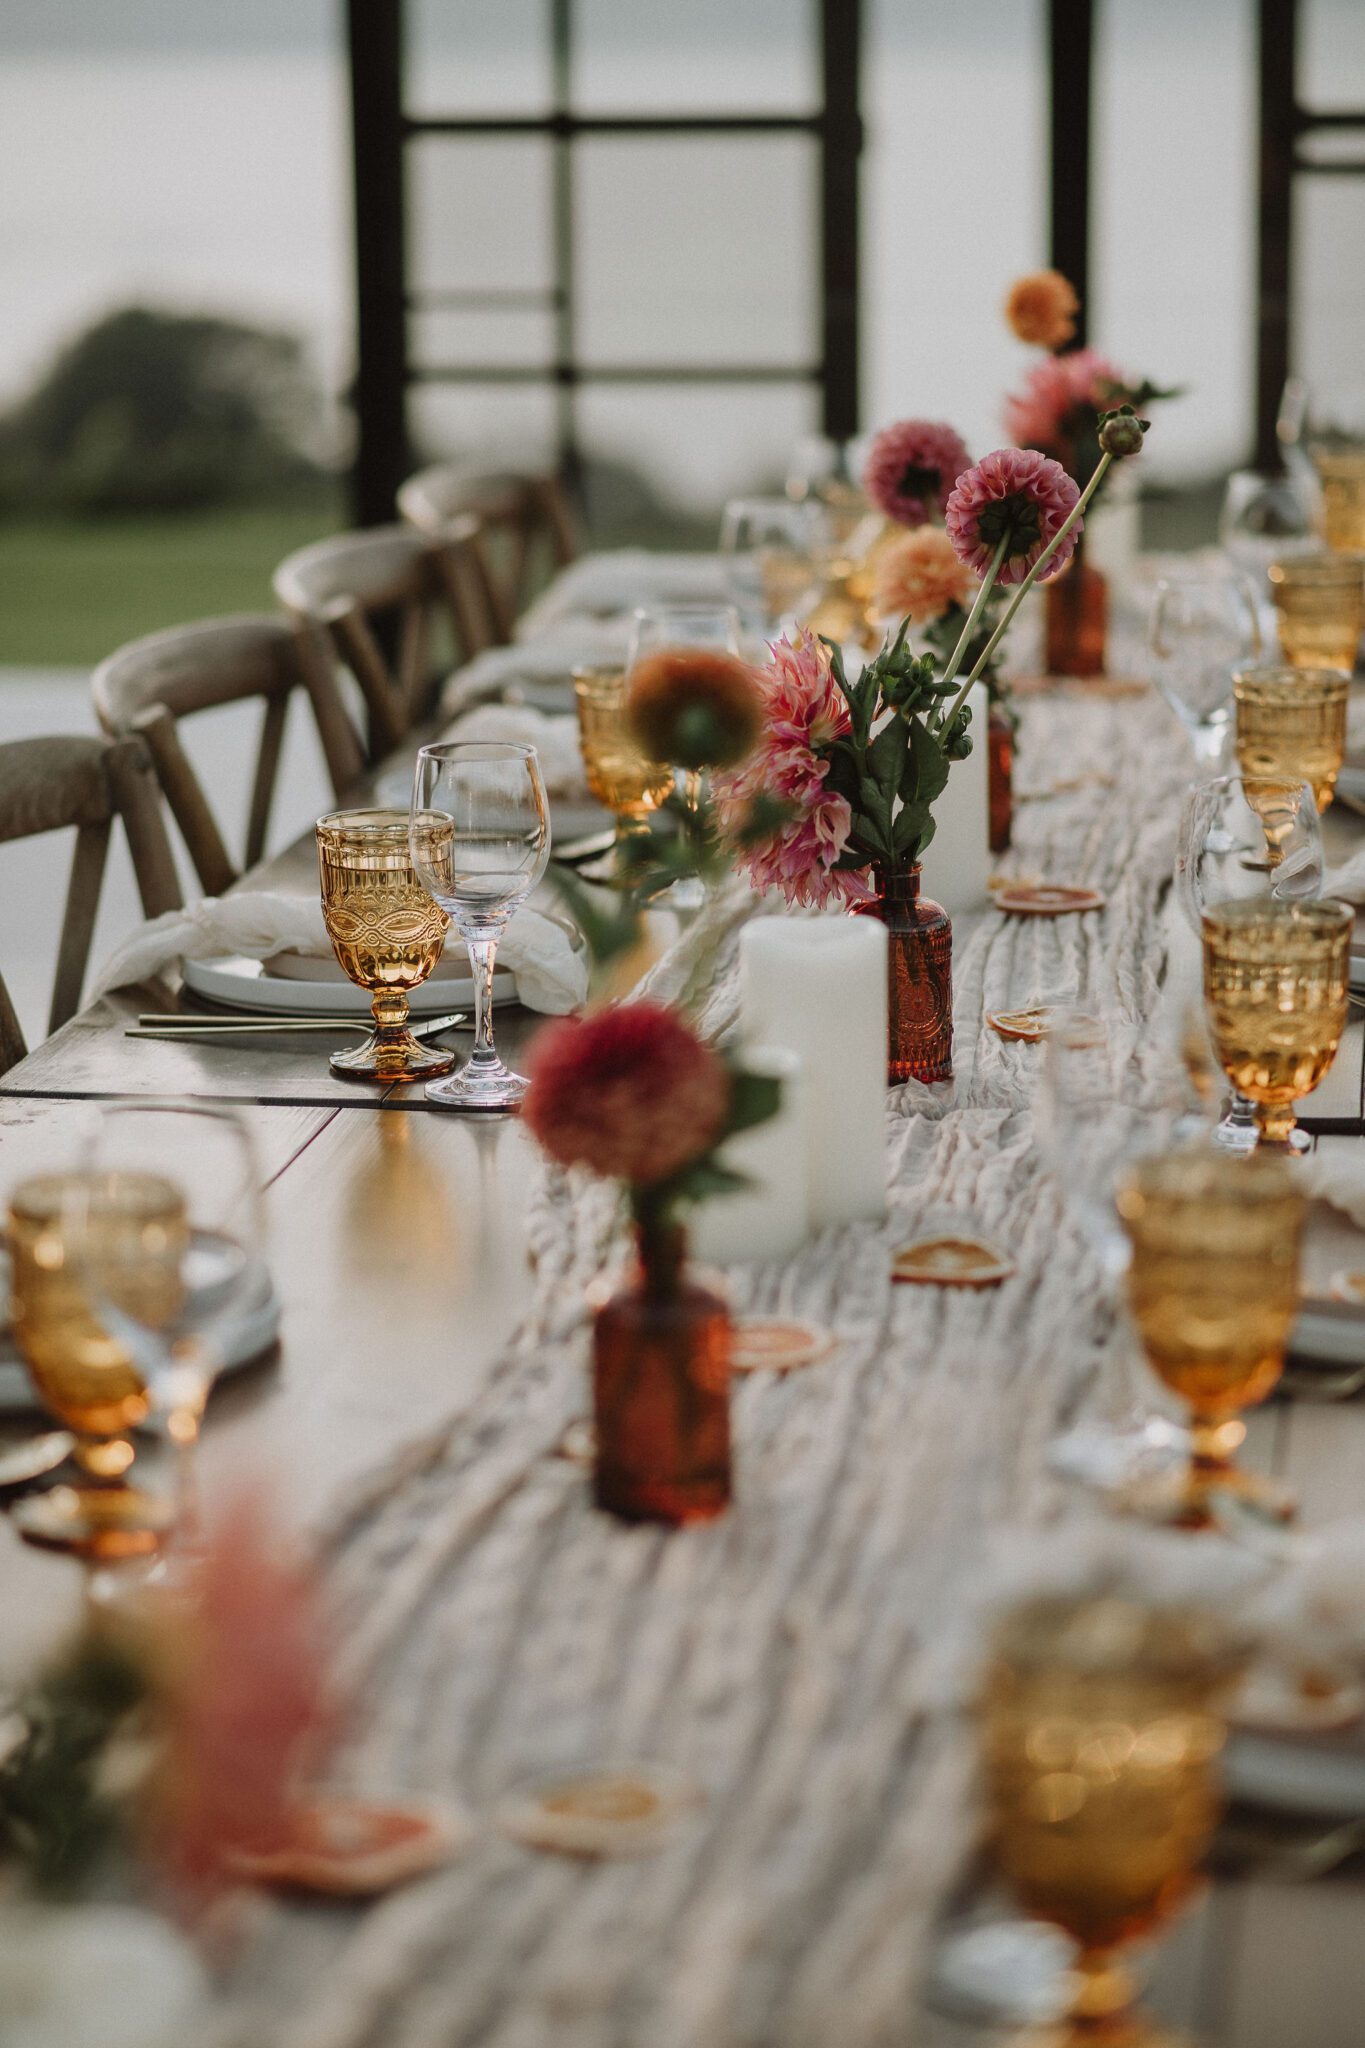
(694, 707)
(629, 1092)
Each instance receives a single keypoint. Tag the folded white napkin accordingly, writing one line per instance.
(554, 737)
(616, 580)
(1335, 1173)
(540, 950)
(1348, 880)
(508, 674)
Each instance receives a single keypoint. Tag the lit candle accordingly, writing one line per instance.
(768, 1219)
(957, 865)
(817, 985)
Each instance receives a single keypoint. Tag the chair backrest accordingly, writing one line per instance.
(376, 594)
(148, 686)
(525, 521)
(53, 785)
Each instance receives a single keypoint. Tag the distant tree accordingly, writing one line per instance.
(154, 411)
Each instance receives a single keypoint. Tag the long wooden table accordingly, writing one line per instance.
(399, 1243)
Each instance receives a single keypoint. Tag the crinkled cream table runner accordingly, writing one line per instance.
(783, 1657)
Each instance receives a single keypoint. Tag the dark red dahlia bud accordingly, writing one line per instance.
(1121, 432)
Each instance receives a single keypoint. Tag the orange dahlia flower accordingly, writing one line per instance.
(919, 576)
(1042, 307)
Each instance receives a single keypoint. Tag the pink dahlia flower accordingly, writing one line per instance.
(805, 711)
(1019, 491)
(1060, 398)
(912, 466)
(629, 1092)
(919, 577)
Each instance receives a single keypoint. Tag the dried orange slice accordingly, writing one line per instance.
(951, 1262)
(776, 1344)
(1035, 1023)
(1046, 899)
(352, 1848)
(622, 1810)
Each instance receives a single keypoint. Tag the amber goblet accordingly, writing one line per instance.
(619, 773)
(1291, 725)
(1213, 1285)
(1100, 1729)
(1320, 608)
(386, 932)
(1276, 988)
(1341, 473)
(85, 1375)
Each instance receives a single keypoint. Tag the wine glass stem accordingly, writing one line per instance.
(483, 949)
(183, 1430)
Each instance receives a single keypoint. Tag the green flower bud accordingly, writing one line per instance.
(1121, 432)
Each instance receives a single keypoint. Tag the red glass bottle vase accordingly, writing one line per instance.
(1000, 777)
(919, 977)
(1077, 620)
(661, 1391)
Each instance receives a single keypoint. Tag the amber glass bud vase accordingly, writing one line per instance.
(1077, 619)
(919, 977)
(661, 1389)
(1000, 777)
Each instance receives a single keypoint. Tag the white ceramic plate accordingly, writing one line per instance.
(323, 990)
(1321, 1781)
(1329, 1333)
(249, 1335)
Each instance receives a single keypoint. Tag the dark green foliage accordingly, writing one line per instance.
(152, 411)
(54, 1818)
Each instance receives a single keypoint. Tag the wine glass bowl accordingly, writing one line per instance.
(1291, 723)
(479, 835)
(1276, 988)
(1202, 628)
(772, 549)
(1319, 608)
(1213, 1284)
(387, 935)
(620, 775)
(83, 1372)
(1100, 1728)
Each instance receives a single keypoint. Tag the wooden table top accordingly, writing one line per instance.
(398, 1243)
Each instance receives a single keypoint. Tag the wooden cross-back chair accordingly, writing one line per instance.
(74, 782)
(150, 685)
(376, 595)
(525, 522)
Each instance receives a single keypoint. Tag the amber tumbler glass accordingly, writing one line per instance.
(1320, 607)
(1100, 1728)
(1291, 725)
(1213, 1285)
(386, 932)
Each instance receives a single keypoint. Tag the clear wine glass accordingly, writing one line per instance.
(176, 1301)
(1203, 627)
(773, 551)
(493, 796)
(1090, 1124)
(1243, 836)
(1265, 517)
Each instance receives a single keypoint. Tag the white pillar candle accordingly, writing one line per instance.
(817, 985)
(957, 865)
(767, 1219)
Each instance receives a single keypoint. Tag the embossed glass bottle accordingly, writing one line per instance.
(661, 1390)
(920, 976)
(1000, 768)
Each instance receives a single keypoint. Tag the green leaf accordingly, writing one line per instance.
(753, 1099)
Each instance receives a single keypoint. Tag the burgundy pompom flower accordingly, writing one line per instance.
(628, 1092)
(1019, 492)
(912, 466)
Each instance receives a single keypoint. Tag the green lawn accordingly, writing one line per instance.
(72, 591)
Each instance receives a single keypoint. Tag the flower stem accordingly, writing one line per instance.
(1077, 512)
(987, 585)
